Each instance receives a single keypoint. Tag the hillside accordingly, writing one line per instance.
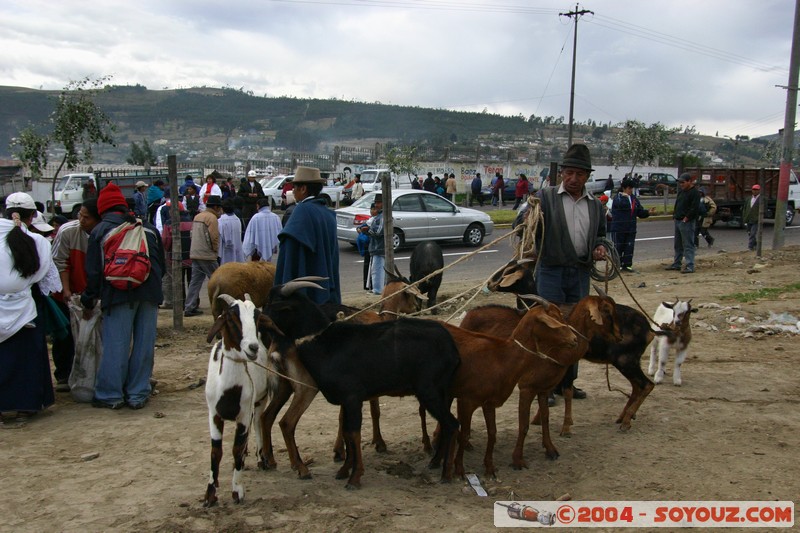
(205, 124)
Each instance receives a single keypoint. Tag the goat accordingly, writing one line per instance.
(673, 319)
(406, 356)
(236, 385)
(426, 259)
(236, 279)
(624, 355)
(304, 388)
(398, 298)
(516, 277)
(591, 316)
(491, 367)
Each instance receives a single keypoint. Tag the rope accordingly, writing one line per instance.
(537, 352)
(612, 257)
(268, 369)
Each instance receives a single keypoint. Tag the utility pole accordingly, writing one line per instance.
(575, 14)
(788, 135)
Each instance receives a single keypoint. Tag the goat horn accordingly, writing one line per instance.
(228, 299)
(536, 298)
(247, 297)
(600, 291)
(289, 288)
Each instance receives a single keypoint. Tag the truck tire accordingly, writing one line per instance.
(789, 214)
(327, 200)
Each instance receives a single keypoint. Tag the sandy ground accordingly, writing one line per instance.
(729, 433)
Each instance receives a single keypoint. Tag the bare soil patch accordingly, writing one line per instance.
(729, 433)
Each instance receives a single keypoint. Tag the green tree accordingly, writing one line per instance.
(142, 155)
(642, 144)
(402, 160)
(76, 124)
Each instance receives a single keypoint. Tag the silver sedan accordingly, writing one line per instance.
(418, 216)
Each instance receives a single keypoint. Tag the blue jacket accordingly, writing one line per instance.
(624, 212)
(96, 285)
(309, 247)
(376, 244)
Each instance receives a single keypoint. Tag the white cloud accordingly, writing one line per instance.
(672, 61)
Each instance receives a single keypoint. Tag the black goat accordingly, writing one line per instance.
(426, 259)
(401, 357)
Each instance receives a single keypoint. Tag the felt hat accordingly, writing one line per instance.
(214, 201)
(307, 175)
(578, 156)
(626, 182)
(110, 196)
(20, 200)
(40, 223)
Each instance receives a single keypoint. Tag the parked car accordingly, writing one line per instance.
(418, 216)
(659, 184)
(509, 190)
(596, 184)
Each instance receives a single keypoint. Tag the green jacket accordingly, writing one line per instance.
(750, 214)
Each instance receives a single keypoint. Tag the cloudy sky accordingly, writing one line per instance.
(714, 64)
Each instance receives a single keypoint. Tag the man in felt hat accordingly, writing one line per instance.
(203, 252)
(308, 241)
(140, 200)
(687, 209)
(750, 216)
(129, 316)
(574, 229)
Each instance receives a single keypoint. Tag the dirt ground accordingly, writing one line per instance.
(729, 433)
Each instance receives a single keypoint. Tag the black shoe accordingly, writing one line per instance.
(137, 405)
(578, 394)
(710, 241)
(627, 269)
(673, 267)
(103, 405)
(551, 400)
(687, 271)
(193, 312)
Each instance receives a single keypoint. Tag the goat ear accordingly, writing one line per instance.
(510, 279)
(595, 314)
(551, 322)
(266, 324)
(600, 291)
(694, 310)
(667, 305)
(216, 327)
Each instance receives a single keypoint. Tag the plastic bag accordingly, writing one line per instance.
(88, 350)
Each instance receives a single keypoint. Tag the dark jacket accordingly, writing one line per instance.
(687, 204)
(476, 185)
(376, 244)
(558, 249)
(96, 285)
(750, 214)
(624, 212)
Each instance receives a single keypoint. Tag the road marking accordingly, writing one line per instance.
(445, 255)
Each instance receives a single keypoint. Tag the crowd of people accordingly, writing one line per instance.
(53, 268)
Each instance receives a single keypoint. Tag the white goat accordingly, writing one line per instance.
(237, 384)
(673, 320)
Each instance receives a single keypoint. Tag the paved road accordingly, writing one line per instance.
(654, 241)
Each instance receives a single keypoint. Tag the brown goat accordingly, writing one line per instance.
(592, 316)
(236, 279)
(491, 367)
(399, 299)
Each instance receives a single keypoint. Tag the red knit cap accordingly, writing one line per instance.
(110, 196)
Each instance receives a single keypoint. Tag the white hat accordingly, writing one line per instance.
(140, 184)
(40, 223)
(21, 200)
(251, 174)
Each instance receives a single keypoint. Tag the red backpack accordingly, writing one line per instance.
(126, 256)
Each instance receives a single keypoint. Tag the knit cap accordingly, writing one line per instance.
(110, 196)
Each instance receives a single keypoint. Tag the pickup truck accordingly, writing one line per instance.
(273, 188)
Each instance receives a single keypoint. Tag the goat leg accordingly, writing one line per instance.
(465, 410)
(303, 396)
(266, 461)
(353, 441)
(491, 437)
(566, 427)
(213, 482)
(239, 451)
(550, 450)
(375, 413)
(525, 398)
(426, 441)
(338, 445)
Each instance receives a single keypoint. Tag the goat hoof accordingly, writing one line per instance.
(304, 475)
(566, 434)
(267, 465)
(468, 446)
(337, 457)
(353, 486)
(210, 502)
(519, 465)
(434, 464)
(380, 447)
(625, 427)
(552, 455)
(343, 473)
(236, 498)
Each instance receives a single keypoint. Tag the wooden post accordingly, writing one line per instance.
(176, 266)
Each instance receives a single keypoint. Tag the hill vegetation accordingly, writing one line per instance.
(226, 124)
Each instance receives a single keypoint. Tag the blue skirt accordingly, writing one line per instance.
(25, 383)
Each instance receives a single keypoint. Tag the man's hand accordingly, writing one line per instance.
(599, 253)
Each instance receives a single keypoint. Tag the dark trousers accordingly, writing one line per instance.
(63, 350)
(366, 268)
(476, 196)
(624, 242)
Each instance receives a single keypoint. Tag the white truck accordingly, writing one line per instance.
(273, 188)
(68, 193)
(371, 179)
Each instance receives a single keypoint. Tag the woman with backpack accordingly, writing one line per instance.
(707, 210)
(25, 258)
(129, 314)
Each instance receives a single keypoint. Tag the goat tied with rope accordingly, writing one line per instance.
(238, 383)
